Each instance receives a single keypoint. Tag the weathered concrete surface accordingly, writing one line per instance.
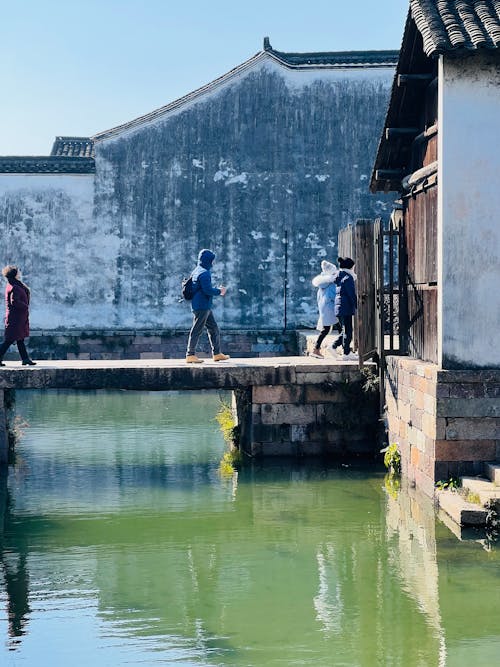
(461, 511)
(171, 374)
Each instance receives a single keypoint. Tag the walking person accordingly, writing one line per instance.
(345, 306)
(17, 325)
(201, 305)
(327, 290)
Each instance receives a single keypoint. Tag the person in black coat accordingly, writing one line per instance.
(345, 306)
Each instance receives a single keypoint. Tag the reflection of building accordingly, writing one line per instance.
(439, 151)
(283, 142)
(411, 522)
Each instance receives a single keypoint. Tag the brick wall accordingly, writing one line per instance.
(446, 423)
(152, 344)
(325, 413)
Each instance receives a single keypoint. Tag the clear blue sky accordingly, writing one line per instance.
(77, 67)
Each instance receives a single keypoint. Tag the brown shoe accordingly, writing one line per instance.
(317, 353)
(221, 357)
(193, 359)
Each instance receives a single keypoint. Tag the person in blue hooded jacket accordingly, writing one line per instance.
(201, 306)
(345, 306)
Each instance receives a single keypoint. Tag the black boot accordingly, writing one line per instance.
(29, 362)
(1, 363)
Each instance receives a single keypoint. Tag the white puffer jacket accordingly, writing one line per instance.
(327, 291)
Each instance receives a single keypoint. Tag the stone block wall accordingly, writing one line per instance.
(446, 423)
(151, 344)
(327, 413)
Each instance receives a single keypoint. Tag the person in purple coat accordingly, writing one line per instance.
(17, 324)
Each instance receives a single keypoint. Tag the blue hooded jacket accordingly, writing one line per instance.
(202, 282)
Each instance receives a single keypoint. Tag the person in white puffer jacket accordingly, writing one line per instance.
(327, 291)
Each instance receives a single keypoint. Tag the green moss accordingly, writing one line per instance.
(451, 484)
(392, 459)
(225, 418)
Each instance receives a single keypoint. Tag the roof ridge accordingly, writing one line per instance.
(180, 101)
(267, 52)
(46, 164)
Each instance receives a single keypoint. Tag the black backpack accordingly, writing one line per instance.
(187, 288)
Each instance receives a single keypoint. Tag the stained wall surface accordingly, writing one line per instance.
(468, 205)
(271, 154)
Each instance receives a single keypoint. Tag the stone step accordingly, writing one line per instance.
(460, 510)
(484, 489)
(492, 471)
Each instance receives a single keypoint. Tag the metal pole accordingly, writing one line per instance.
(285, 283)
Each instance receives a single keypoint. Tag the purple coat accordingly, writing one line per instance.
(17, 300)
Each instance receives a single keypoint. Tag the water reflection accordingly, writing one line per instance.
(14, 571)
(411, 529)
(120, 528)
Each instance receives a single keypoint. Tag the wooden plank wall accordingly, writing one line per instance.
(421, 247)
(357, 241)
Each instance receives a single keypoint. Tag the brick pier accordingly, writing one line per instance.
(446, 423)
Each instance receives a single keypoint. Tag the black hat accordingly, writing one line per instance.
(345, 262)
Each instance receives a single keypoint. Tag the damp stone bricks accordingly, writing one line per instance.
(446, 423)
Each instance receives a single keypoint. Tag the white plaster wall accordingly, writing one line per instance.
(469, 212)
(67, 257)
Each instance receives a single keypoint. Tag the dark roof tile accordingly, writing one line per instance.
(333, 59)
(46, 165)
(449, 26)
(73, 147)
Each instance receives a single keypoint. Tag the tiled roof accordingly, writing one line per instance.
(337, 59)
(450, 26)
(47, 165)
(73, 147)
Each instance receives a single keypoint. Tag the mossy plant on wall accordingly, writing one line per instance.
(228, 426)
(451, 484)
(392, 459)
(230, 431)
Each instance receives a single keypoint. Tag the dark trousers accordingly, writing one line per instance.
(202, 319)
(345, 337)
(324, 333)
(23, 352)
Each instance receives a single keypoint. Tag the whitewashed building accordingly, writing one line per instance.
(439, 151)
(263, 165)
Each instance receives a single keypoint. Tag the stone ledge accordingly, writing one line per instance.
(483, 488)
(492, 470)
(462, 512)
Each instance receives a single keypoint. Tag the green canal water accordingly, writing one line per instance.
(123, 545)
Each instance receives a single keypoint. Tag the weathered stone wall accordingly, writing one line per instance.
(151, 344)
(446, 423)
(273, 151)
(322, 414)
(270, 151)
